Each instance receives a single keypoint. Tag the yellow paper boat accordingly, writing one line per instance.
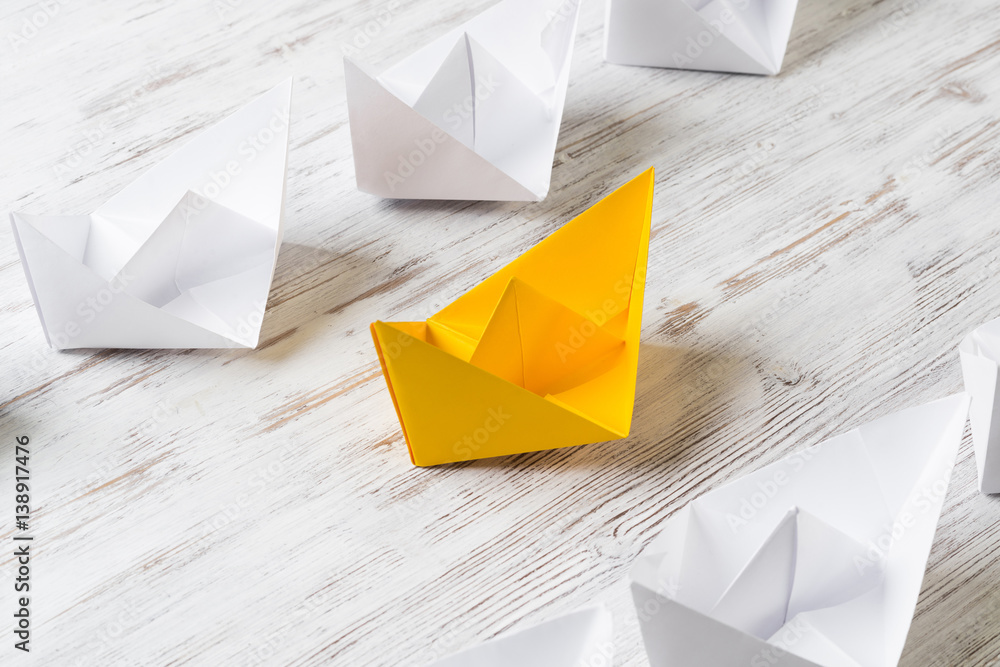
(541, 355)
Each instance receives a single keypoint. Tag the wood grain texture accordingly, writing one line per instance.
(821, 242)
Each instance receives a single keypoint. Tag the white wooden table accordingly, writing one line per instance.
(821, 242)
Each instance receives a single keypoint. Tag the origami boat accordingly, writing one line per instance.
(541, 355)
(813, 561)
(183, 257)
(473, 115)
(743, 36)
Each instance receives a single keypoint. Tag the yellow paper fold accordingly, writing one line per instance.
(543, 354)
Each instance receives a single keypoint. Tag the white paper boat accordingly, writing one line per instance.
(473, 115)
(816, 560)
(743, 36)
(183, 257)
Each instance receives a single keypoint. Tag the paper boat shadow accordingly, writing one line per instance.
(309, 283)
(678, 391)
(295, 262)
(410, 207)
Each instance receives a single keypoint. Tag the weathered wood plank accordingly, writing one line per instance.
(821, 242)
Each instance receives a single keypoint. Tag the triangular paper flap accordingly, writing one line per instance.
(837, 482)
(779, 15)
(583, 637)
(857, 627)
(550, 341)
(453, 411)
(798, 637)
(658, 567)
(515, 129)
(499, 351)
(745, 26)
(398, 153)
(802, 565)
(68, 232)
(454, 343)
(715, 551)
(981, 379)
(666, 33)
(219, 261)
(674, 635)
(826, 567)
(220, 243)
(610, 397)
(524, 35)
(805, 565)
(36, 248)
(756, 602)
(237, 302)
(901, 445)
(449, 100)
(78, 309)
(480, 103)
(810, 479)
(913, 533)
(984, 341)
(589, 264)
(557, 42)
(238, 163)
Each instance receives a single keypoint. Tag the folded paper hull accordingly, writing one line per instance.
(474, 115)
(816, 559)
(746, 37)
(183, 257)
(541, 355)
